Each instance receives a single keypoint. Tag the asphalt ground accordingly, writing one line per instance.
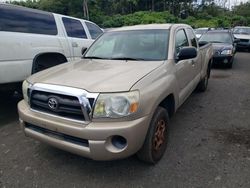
(209, 145)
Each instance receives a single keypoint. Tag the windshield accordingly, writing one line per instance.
(145, 45)
(242, 30)
(217, 38)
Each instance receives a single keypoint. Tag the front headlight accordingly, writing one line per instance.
(26, 86)
(226, 52)
(116, 105)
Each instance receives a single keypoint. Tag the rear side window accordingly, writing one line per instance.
(74, 28)
(94, 30)
(192, 38)
(16, 19)
(180, 40)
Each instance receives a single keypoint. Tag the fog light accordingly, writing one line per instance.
(119, 142)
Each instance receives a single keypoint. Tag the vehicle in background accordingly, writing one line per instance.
(243, 35)
(224, 46)
(200, 31)
(33, 40)
(117, 101)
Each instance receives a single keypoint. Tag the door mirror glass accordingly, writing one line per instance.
(203, 43)
(187, 53)
(84, 49)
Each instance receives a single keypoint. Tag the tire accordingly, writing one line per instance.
(202, 86)
(7, 94)
(155, 143)
(230, 64)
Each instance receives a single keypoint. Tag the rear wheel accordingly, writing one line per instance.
(202, 86)
(155, 143)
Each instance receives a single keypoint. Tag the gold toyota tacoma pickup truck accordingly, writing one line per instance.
(118, 99)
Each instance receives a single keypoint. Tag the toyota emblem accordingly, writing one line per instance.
(53, 103)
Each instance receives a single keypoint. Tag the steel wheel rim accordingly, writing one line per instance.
(160, 135)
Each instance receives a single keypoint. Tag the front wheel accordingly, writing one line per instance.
(230, 64)
(155, 143)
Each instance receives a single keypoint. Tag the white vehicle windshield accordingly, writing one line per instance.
(242, 30)
(148, 45)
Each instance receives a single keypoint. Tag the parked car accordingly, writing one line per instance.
(200, 31)
(118, 100)
(33, 40)
(243, 35)
(224, 46)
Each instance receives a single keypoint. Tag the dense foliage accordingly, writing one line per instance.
(115, 13)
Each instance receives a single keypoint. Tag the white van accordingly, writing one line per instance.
(33, 40)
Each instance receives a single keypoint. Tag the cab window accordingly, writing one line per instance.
(181, 40)
(192, 38)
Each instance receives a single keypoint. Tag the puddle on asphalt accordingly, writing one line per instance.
(234, 136)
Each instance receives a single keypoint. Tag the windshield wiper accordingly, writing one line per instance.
(127, 58)
(93, 57)
(216, 42)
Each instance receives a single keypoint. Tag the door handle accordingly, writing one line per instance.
(74, 44)
(192, 62)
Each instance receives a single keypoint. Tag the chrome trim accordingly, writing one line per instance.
(82, 95)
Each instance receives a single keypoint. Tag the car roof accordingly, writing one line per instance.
(219, 31)
(202, 28)
(148, 27)
(38, 11)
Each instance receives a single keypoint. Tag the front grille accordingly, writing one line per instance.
(244, 40)
(57, 135)
(65, 106)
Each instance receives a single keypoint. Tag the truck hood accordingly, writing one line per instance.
(242, 36)
(97, 75)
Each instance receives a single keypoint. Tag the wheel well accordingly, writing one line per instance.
(47, 60)
(169, 104)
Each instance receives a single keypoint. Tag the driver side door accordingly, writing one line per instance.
(184, 68)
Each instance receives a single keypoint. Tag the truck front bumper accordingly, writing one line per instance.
(97, 140)
(222, 59)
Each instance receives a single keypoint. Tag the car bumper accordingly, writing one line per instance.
(243, 45)
(222, 59)
(97, 140)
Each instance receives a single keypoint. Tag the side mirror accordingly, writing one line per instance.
(203, 43)
(187, 53)
(84, 49)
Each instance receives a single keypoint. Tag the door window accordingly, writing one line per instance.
(94, 30)
(180, 40)
(18, 19)
(74, 28)
(192, 38)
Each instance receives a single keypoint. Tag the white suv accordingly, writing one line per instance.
(33, 40)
